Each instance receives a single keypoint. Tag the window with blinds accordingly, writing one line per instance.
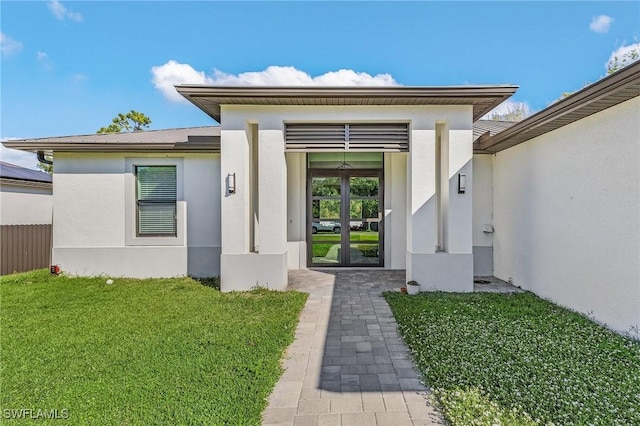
(156, 200)
(364, 137)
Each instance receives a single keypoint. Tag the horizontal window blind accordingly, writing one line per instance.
(157, 195)
(370, 137)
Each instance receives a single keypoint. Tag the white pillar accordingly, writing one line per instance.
(272, 184)
(421, 190)
(241, 269)
(450, 270)
(234, 160)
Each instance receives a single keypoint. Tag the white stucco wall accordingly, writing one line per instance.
(23, 205)
(482, 214)
(395, 210)
(94, 216)
(567, 215)
(415, 250)
(296, 210)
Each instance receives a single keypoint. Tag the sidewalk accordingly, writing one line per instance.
(348, 365)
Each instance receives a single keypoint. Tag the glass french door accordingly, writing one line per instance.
(345, 218)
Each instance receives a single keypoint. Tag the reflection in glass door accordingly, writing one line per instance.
(365, 218)
(326, 223)
(345, 224)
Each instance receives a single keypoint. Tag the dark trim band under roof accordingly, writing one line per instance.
(209, 98)
(605, 93)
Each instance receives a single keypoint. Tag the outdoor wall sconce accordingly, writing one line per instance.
(231, 183)
(462, 183)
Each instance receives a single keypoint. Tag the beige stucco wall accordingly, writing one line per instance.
(567, 215)
(94, 216)
(24, 205)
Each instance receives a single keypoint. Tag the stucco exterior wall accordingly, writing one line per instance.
(567, 215)
(482, 214)
(395, 210)
(23, 205)
(94, 217)
(415, 250)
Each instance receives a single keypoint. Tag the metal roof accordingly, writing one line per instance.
(210, 98)
(605, 93)
(486, 128)
(202, 139)
(12, 171)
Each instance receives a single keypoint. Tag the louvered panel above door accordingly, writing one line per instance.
(373, 137)
(314, 137)
(379, 137)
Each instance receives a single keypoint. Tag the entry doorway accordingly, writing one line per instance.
(345, 225)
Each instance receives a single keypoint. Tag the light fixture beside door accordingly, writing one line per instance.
(231, 183)
(462, 183)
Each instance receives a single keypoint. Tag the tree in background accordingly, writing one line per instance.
(133, 121)
(517, 112)
(615, 64)
(47, 168)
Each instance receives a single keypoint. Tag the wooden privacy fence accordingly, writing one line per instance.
(24, 247)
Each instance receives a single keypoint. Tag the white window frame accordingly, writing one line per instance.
(131, 204)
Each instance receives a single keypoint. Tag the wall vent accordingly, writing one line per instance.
(364, 137)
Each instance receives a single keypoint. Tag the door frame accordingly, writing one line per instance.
(345, 197)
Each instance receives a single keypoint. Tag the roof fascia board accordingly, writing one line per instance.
(572, 103)
(196, 93)
(315, 92)
(112, 147)
(25, 183)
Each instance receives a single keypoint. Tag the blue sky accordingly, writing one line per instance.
(69, 67)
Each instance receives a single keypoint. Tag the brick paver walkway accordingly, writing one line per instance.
(348, 365)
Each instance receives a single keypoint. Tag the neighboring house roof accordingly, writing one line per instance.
(486, 128)
(209, 98)
(203, 139)
(13, 175)
(12, 171)
(605, 93)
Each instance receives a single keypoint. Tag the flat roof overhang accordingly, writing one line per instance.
(605, 93)
(210, 98)
(188, 139)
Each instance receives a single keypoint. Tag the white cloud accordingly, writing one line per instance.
(625, 55)
(173, 73)
(41, 55)
(8, 45)
(508, 106)
(17, 157)
(166, 76)
(61, 12)
(601, 23)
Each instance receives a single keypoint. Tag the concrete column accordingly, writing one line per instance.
(421, 203)
(272, 184)
(234, 159)
(241, 269)
(460, 205)
(450, 270)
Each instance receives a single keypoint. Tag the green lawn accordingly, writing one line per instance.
(323, 241)
(170, 351)
(518, 360)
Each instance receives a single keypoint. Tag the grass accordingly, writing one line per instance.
(324, 241)
(162, 351)
(519, 360)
